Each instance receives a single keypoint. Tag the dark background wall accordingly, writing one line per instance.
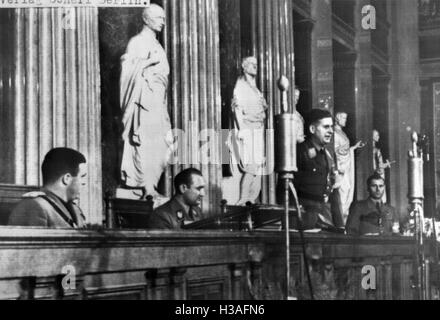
(6, 101)
(116, 27)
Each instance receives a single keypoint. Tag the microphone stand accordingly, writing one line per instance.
(416, 197)
(285, 150)
(285, 156)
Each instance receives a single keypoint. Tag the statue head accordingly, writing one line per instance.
(376, 135)
(250, 66)
(154, 17)
(341, 119)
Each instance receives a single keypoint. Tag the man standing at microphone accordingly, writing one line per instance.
(317, 175)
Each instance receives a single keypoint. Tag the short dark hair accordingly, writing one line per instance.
(315, 115)
(374, 176)
(60, 161)
(185, 177)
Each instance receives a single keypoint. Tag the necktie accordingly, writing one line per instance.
(323, 156)
(379, 211)
(379, 207)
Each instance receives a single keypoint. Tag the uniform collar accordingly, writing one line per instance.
(313, 144)
(178, 205)
(373, 203)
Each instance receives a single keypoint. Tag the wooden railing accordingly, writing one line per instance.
(115, 264)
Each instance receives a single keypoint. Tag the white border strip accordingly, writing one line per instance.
(72, 3)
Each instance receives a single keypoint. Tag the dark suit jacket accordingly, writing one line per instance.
(44, 209)
(364, 218)
(172, 215)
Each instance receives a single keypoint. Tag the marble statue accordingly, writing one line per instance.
(249, 109)
(345, 157)
(143, 98)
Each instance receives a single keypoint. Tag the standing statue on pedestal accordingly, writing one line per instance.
(143, 97)
(346, 163)
(379, 165)
(249, 111)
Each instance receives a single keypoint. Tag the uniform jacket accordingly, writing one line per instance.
(45, 209)
(365, 218)
(315, 177)
(172, 215)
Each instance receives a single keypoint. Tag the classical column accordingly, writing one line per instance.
(55, 93)
(435, 153)
(363, 95)
(7, 173)
(303, 62)
(192, 42)
(404, 94)
(322, 55)
(273, 45)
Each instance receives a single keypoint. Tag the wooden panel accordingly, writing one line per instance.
(196, 265)
(212, 289)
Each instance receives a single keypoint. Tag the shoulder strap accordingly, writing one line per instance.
(58, 210)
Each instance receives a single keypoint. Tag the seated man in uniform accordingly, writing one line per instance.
(372, 216)
(184, 207)
(315, 180)
(64, 172)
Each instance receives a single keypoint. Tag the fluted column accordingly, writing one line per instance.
(192, 42)
(55, 93)
(363, 94)
(6, 97)
(404, 95)
(322, 55)
(272, 39)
